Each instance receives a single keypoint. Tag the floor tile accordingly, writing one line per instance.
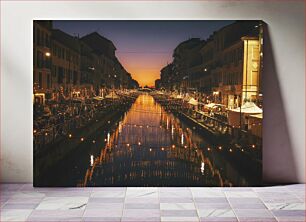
(101, 219)
(224, 205)
(57, 213)
(229, 194)
(140, 219)
(142, 200)
(20, 206)
(101, 205)
(105, 200)
(253, 213)
(210, 200)
(179, 219)
(177, 206)
(142, 192)
(62, 203)
(179, 213)
(109, 194)
(219, 219)
(141, 206)
(289, 213)
(206, 192)
(256, 219)
(14, 214)
(175, 200)
(175, 192)
(285, 206)
(216, 213)
(103, 213)
(142, 213)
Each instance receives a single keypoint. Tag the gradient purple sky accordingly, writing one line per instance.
(144, 47)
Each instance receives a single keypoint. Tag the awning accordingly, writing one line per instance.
(248, 107)
(99, 98)
(194, 102)
(112, 95)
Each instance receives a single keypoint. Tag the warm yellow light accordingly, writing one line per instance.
(208, 149)
(70, 135)
(82, 139)
(139, 143)
(173, 146)
(128, 144)
(220, 147)
(242, 150)
(150, 149)
(46, 134)
(162, 148)
(34, 131)
(93, 141)
(253, 145)
(230, 150)
(48, 54)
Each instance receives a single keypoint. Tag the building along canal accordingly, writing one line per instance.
(148, 146)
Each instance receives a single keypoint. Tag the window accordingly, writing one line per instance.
(48, 81)
(39, 59)
(38, 36)
(40, 80)
(60, 75)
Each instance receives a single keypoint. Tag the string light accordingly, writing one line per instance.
(139, 143)
(93, 141)
(82, 139)
(220, 147)
(253, 146)
(46, 134)
(70, 135)
(230, 150)
(150, 149)
(208, 148)
(162, 148)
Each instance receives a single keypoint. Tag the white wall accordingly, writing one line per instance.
(284, 80)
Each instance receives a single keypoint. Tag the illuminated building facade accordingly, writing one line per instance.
(66, 61)
(73, 66)
(226, 66)
(42, 56)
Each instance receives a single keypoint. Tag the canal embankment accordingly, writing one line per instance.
(52, 153)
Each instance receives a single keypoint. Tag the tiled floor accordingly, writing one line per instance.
(22, 202)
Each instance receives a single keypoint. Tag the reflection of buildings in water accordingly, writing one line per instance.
(150, 146)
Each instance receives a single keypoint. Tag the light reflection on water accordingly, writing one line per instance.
(151, 147)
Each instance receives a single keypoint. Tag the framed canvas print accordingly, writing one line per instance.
(147, 102)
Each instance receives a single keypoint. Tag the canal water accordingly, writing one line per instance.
(147, 146)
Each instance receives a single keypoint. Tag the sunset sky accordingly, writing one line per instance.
(143, 47)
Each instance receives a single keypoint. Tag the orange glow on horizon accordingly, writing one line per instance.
(145, 68)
